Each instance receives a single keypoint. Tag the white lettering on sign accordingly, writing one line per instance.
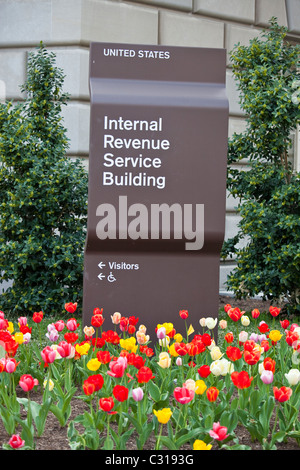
(141, 54)
(133, 160)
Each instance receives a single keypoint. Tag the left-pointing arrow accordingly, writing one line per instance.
(101, 265)
(101, 276)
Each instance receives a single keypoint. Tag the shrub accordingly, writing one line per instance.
(43, 195)
(268, 260)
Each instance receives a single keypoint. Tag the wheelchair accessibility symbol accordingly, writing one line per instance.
(111, 277)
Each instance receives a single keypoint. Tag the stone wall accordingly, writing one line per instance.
(68, 26)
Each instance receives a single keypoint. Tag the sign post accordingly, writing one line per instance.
(157, 183)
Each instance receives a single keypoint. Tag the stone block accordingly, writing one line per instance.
(185, 5)
(265, 9)
(13, 64)
(182, 30)
(233, 95)
(293, 15)
(76, 119)
(238, 10)
(118, 22)
(75, 64)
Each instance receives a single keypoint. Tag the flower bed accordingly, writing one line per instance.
(116, 388)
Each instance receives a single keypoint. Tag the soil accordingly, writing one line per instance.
(55, 437)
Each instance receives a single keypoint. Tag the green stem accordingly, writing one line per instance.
(158, 440)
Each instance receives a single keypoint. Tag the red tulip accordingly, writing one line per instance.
(241, 379)
(70, 307)
(282, 394)
(144, 375)
(252, 357)
(233, 353)
(37, 317)
(120, 393)
(16, 442)
(106, 404)
(255, 313)
(183, 314)
(235, 314)
(274, 311)
(88, 388)
(229, 338)
(204, 371)
(97, 380)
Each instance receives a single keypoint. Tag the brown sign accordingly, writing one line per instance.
(157, 183)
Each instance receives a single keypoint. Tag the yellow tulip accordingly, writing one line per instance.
(93, 364)
(10, 327)
(178, 338)
(201, 445)
(19, 337)
(200, 387)
(275, 335)
(163, 415)
(82, 349)
(172, 351)
(129, 344)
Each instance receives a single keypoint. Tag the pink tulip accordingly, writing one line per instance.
(48, 355)
(59, 325)
(267, 377)
(137, 394)
(16, 442)
(27, 382)
(183, 395)
(117, 367)
(10, 365)
(72, 324)
(218, 432)
(65, 349)
(22, 321)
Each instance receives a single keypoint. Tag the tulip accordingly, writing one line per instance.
(97, 321)
(16, 442)
(115, 318)
(120, 393)
(234, 314)
(215, 353)
(200, 387)
(245, 320)
(282, 394)
(274, 311)
(66, 350)
(275, 335)
(218, 432)
(117, 367)
(183, 395)
(293, 376)
(22, 321)
(164, 415)
(88, 388)
(210, 322)
(71, 307)
(223, 324)
(263, 327)
(212, 394)
(93, 364)
(201, 445)
(49, 384)
(161, 333)
(106, 404)
(137, 394)
(202, 322)
(10, 365)
(243, 336)
(183, 314)
(59, 325)
(221, 367)
(37, 317)
(227, 307)
(255, 313)
(234, 353)
(204, 371)
(229, 338)
(97, 380)
(88, 331)
(241, 379)
(52, 334)
(144, 375)
(48, 355)
(19, 337)
(27, 382)
(267, 377)
(164, 360)
(252, 357)
(178, 361)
